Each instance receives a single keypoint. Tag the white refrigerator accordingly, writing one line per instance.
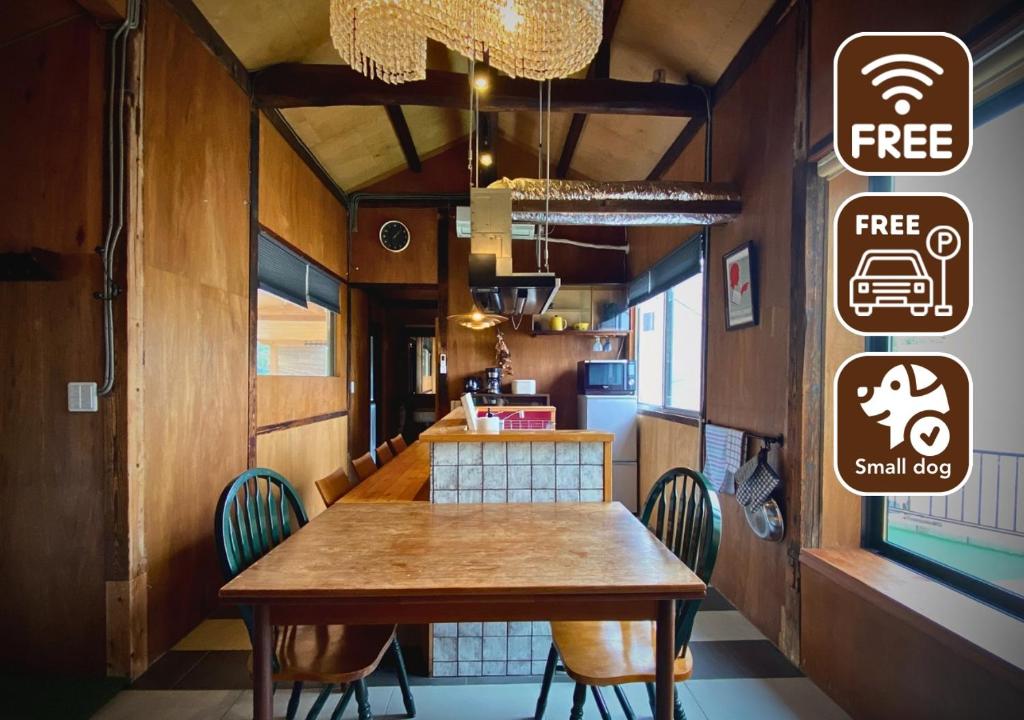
(616, 414)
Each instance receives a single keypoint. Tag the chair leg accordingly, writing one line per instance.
(545, 686)
(293, 701)
(627, 709)
(602, 706)
(652, 698)
(343, 703)
(363, 700)
(677, 710)
(579, 697)
(403, 680)
(318, 704)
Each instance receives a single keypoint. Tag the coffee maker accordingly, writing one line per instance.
(492, 380)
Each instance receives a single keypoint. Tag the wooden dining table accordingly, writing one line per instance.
(416, 562)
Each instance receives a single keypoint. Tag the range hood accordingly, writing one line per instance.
(495, 287)
(511, 294)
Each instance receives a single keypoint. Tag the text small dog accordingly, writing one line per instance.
(905, 392)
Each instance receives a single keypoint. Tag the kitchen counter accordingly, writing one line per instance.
(452, 428)
(513, 466)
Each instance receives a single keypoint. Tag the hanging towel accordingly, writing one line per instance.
(723, 453)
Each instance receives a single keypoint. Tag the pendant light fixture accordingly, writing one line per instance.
(477, 319)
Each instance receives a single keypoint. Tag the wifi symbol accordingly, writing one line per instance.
(900, 74)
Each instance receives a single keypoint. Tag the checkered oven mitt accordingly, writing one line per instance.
(758, 482)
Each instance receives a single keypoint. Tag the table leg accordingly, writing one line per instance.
(665, 658)
(262, 672)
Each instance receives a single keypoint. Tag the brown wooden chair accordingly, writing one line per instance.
(398, 444)
(334, 655)
(333, 487)
(365, 466)
(384, 454)
(682, 511)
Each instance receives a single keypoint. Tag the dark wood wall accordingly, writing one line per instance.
(51, 461)
(748, 369)
(753, 377)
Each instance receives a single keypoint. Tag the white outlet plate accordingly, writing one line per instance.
(82, 397)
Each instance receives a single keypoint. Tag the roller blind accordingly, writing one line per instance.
(324, 289)
(682, 263)
(281, 271)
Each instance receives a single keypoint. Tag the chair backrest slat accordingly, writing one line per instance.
(248, 526)
(693, 534)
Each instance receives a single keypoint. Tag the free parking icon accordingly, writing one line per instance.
(903, 264)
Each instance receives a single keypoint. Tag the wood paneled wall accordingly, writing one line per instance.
(665, 444)
(195, 299)
(877, 665)
(416, 265)
(51, 461)
(296, 206)
(305, 453)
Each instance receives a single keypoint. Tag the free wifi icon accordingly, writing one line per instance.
(909, 68)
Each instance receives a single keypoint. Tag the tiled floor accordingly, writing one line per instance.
(737, 674)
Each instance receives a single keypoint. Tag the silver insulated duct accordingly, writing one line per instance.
(641, 202)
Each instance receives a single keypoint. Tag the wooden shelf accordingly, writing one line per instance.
(582, 333)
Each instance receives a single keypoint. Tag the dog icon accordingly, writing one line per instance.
(909, 395)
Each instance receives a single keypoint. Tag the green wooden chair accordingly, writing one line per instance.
(257, 511)
(684, 514)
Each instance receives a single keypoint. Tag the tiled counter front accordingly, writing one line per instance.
(515, 472)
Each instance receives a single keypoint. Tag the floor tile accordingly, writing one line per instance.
(723, 625)
(168, 671)
(217, 634)
(169, 705)
(777, 699)
(219, 670)
(715, 601)
(380, 697)
(740, 659)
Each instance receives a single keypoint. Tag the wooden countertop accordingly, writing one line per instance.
(452, 428)
(407, 477)
(462, 552)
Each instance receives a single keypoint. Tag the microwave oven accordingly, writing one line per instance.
(606, 377)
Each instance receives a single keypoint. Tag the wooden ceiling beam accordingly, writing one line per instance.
(401, 128)
(305, 85)
(748, 52)
(599, 68)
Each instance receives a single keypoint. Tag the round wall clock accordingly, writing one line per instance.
(394, 236)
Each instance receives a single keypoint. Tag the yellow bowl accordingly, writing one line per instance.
(581, 326)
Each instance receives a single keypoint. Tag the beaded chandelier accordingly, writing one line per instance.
(536, 39)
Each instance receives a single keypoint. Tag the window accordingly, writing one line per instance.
(291, 339)
(670, 327)
(974, 539)
(296, 306)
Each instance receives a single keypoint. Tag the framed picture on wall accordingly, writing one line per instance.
(740, 287)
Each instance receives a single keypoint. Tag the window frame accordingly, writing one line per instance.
(664, 409)
(875, 507)
(265, 233)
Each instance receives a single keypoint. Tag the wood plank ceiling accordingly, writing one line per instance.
(687, 39)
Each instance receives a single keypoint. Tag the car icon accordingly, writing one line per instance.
(891, 278)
